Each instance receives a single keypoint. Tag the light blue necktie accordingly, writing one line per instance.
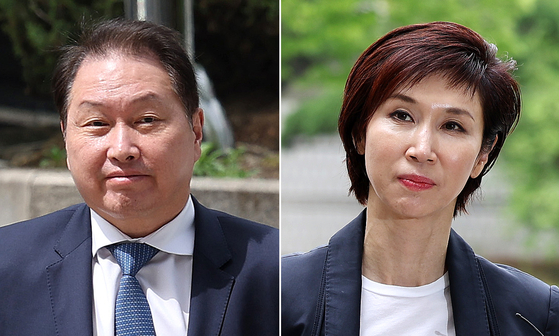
(132, 313)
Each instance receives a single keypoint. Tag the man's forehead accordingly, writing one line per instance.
(139, 98)
(108, 83)
(116, 55)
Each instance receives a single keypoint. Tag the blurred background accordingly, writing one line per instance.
(235, 45)
(515, 218)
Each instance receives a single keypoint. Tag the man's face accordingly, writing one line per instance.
(131, 148)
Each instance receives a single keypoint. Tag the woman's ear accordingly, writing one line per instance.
(480, 164)
(359, 145)
(482, 160)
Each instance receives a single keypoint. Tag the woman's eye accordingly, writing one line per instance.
(453, 126)
(401, 115)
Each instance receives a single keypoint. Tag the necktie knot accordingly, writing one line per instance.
(131, 257)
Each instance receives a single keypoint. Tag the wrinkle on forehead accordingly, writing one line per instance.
(112, 78)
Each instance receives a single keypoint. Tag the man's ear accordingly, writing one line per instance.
(198, 125)
(63, 130)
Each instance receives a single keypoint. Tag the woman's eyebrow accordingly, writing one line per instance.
(451, 109)
(459, 111)
(403, 97)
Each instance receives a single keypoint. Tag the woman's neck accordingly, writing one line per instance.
(405, 252)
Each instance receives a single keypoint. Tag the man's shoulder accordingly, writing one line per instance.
(42, 225)
(28, 246)
(238, 228)
(252, 245)
(258, 238)
(245, 225)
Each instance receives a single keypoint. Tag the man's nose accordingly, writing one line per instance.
(122, 144)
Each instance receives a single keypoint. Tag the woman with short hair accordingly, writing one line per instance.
(426, 111)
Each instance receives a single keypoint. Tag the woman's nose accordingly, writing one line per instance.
(421, 148)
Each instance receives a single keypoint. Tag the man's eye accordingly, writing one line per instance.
(148, 120)
(97, 123)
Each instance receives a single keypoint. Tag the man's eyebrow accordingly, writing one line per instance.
(151, 96)
(451, 110)
(90, 103)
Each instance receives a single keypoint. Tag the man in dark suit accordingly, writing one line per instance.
(142, 256)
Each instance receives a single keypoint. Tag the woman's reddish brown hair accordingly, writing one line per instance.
(405, 56)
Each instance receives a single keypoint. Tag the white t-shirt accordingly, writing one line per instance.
(394, 310)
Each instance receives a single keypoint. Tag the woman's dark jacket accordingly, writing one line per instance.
(321, 291)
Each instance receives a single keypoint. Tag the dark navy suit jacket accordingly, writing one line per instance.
(46, 276)
(321, 291)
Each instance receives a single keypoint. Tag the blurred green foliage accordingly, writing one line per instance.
(215, 162)
(37, 27)
(53, 157)
(317, 114)
(321, 39)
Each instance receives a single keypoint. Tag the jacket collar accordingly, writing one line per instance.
(70, 279)
(211, 285)
(343, 279)
(343, 283)
(466, 289)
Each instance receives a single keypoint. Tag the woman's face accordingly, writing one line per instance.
(421, 146)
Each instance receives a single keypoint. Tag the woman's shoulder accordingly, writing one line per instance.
(302, 291)
(511, 290)
(499, 276)
(303, 268)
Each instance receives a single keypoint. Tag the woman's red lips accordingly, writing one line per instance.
(416, 182)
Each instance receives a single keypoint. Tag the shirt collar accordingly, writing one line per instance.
(175, 237)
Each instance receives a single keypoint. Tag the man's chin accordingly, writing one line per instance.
(123, 205)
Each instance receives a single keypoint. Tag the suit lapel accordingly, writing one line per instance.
(70, 279)
(211, 286)
(343, 279)
(466, 289)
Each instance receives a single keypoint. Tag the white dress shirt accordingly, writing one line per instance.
(166, 279)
